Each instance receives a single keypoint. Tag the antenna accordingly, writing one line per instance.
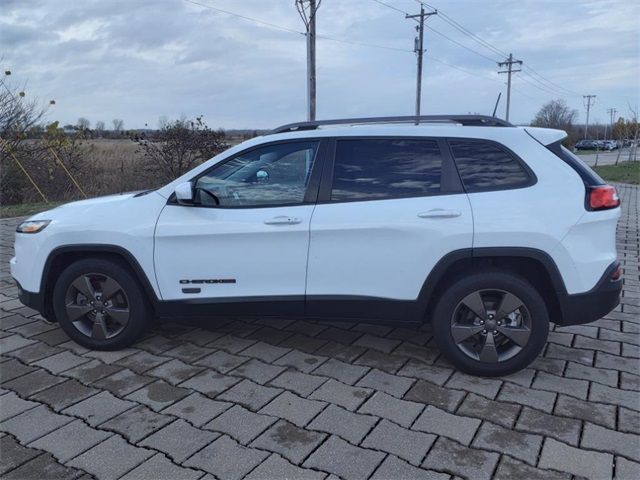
(497, 102)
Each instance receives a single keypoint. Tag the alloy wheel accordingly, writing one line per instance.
(97, 306)
(491, 326)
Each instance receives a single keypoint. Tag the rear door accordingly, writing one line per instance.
(502, 191)
(389, 209)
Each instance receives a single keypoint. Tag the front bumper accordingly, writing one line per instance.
(30, 299)
(594, 304)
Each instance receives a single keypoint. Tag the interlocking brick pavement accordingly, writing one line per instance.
(265, 399)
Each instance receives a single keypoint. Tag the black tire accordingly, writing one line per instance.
(451, 312)
(130, 295)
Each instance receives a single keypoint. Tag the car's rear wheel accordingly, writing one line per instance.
(100, 304)
(491, 324)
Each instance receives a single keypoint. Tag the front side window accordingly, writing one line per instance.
(272, 175)
(485, 166)
(387, 168)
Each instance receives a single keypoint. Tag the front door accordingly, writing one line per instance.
(245, 240)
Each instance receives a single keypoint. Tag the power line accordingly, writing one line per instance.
(244, 17)
(472, 35)
(463, 70)
(542, 87)
(437, 31)
(492, 60)
(539, 83)
(290, 30)
(530, 70)
(550, 82)
(363, 44)
(524, 94)
(467, 32)
(391, 7)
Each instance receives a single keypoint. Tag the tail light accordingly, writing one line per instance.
(602, 197)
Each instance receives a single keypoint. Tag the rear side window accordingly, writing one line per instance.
(486, 166)
(388, 168)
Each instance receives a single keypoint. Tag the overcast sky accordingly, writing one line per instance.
(142, 59)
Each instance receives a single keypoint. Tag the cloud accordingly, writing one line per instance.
(142, 59)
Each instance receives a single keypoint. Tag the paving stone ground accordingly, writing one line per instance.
(268, 399)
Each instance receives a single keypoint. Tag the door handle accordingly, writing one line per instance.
(283, 220)
(440, 213)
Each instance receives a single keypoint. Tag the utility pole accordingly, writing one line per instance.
(419, 49)
(588, 104)
(509, 62)
(307, 10)
(612, 113)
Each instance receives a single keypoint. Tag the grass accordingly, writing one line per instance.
(593, 152)
(25, 209)
(626, 172)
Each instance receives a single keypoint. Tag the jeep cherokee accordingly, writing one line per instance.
(486, 230)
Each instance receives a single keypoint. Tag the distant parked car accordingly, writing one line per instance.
(587, 145)
(611, 145)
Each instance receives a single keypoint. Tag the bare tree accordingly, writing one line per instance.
(180, 145)
(83, 123)
(17, 114)
(99, 127)
(18, 117)
(555, 114)
(118, 125)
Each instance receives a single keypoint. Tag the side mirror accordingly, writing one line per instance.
(184, 193)
(262, 176)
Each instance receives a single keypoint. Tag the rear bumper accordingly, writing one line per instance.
(594, 304)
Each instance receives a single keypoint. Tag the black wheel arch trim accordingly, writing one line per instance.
(99, 248)
(526, 252)
(442, 268)
(574, 309)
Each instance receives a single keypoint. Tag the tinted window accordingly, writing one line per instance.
(271, 175)
(486, 166)
(376, 169)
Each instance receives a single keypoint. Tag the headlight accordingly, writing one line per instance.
(33, 226)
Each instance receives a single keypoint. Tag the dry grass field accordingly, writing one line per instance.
(100, 166)
(114, 165)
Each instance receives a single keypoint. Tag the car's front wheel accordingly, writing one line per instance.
(491, 324)
(100, 304)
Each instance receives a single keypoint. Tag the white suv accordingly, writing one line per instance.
(487, 230)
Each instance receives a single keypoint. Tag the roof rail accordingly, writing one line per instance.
(466, 120)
